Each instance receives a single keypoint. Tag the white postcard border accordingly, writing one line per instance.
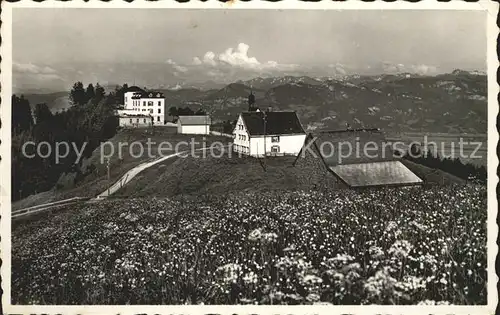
(5, 111)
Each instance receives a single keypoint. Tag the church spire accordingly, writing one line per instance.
(251, 101)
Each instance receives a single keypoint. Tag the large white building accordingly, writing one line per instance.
(273, 132)
(199, 125)
(140, 102)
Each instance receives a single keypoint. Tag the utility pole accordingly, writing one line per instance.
(109, 177)
(264, 117)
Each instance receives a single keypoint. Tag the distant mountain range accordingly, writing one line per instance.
(455, 102)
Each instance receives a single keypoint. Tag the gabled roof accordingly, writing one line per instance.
(376, 174)
(195, 120)
(362, 158)
(277, 123)
(348, 146)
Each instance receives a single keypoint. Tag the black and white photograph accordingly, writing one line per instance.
(253, 156)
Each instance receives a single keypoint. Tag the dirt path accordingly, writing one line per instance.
(127, 177)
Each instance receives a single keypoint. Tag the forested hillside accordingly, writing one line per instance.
(88, 121)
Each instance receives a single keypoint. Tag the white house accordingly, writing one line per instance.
(135, 120)
(274, 132)
(199, 125)
(150, 103)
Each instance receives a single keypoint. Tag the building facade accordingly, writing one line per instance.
(151, 103)
(135, 120)
(268, 134)
(199, 125)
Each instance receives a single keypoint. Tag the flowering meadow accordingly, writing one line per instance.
(416, 245)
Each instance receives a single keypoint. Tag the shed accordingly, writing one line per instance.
(199, 125)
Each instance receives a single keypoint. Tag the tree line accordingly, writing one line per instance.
(452, 166)
(175, 112)
(89, 120)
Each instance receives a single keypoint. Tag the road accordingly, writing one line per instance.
(126, 178)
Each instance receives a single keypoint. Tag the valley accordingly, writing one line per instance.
(448, 103)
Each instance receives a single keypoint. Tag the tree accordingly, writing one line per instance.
(200, 112)
(100, 93)
(90, 93)
(172, 111)
(120, 93)
(78, 95)
(42, 113)
(22, 119)
(186, 111)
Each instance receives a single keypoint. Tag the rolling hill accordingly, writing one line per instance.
(454, 103)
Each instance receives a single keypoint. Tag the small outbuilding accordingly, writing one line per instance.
(135, 120)
(199, 125)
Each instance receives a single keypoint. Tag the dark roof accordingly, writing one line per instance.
(353, 146)
(134, 89)
(343, 152)
(135, 116)
(148, 94)
(152, 94)
(277, 123)
(375, 174)
(194, 120)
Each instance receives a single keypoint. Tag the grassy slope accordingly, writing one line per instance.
(120, 162)
(230, 174)
(144, 251)
(233, 174)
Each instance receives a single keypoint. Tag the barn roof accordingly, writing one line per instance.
(277, 123)
(362, 158)
(375, 174)
(195, 120)
(353, 146)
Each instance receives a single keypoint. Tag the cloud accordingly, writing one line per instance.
(401, 68)
(238, 58)
(31, 76)
(31, 69)
(177, 67)
(424, 69)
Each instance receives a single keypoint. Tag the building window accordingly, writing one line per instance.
(275, 149)
(159, 110)
(144, 120)
(137, 120)
(158, 118)
(275, 139)
(144, 103)
(130, 120)
(150, 103)
(150, 111)
(159, 102)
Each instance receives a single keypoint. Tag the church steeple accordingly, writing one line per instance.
(251, 101)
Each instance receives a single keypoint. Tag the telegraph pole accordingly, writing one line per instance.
(109, 177)
(264, 113)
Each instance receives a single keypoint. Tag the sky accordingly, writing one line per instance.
(215, 42)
